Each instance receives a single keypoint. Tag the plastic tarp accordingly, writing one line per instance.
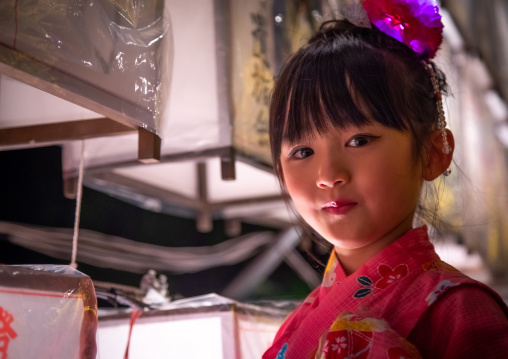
(116, 53)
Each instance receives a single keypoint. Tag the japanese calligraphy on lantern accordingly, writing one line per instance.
(264, 34)
(253, 78)
(6, 332)
(40, 324)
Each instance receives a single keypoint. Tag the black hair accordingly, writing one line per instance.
(350, 75)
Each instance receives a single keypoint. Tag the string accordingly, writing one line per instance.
(136, 313)
(77, 214)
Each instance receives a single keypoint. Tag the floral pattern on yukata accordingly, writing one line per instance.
(439, 266)
(439, 291)
(282, 353)
(330, 276)
(388, 276)
(353, 336)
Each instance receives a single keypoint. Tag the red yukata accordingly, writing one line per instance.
(403, 303)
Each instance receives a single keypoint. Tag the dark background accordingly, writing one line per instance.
(32, 193)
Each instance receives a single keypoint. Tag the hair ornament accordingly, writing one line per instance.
(441, 120)
(416, 23)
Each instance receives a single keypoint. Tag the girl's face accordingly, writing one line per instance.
(356, 187)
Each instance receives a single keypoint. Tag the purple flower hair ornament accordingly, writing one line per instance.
(416, 23)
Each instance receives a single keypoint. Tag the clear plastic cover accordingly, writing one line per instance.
(47, 311)
(109, 52)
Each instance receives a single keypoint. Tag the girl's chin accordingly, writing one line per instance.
(347, 243)
(349, 246)
(340, 235)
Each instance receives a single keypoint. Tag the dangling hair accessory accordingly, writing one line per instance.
(441, 120)
(416, 23)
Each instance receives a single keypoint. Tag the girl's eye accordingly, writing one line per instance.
(301, 153)
(360, 140)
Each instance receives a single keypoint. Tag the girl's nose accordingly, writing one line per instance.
(331, 173)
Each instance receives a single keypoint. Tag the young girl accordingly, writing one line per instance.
(356, 127)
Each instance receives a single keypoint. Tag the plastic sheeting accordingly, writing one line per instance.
(196, 116)
(117, 53)
(47, 311)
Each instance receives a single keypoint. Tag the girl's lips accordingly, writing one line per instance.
(339, 207)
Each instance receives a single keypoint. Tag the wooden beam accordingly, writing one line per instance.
(204, 223)
(227, 164)
(70, 186)
(63, 131)
(149, 146)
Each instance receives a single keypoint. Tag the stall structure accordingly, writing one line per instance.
(208, 326)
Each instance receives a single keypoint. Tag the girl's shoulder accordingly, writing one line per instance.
(443, 279)
(466, 322)
(436, 284)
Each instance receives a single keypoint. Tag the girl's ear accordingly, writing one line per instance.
(436, 160)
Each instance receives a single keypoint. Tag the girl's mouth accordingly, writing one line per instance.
(339, 207)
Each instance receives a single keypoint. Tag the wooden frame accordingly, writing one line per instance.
(64, 131)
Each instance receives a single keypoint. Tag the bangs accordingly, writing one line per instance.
(319, 101)
(321, 96)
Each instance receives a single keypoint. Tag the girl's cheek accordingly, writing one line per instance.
(297, 187)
